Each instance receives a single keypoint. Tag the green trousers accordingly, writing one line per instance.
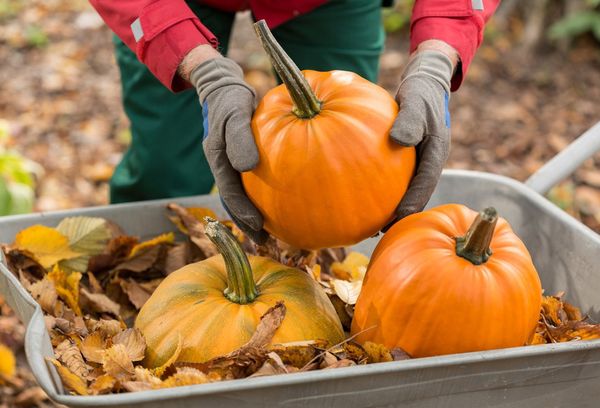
(165, 158)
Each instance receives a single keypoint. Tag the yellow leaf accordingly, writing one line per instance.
(71, 381)
(167, 238)
(67, 287)
(93, 347)
(7, 362)
(185, 376)
(117, 363)
(352, 268)
(47, 245)
(103, 384)
(199, 213)
(134, 343)
(377, 353)
(145, 376)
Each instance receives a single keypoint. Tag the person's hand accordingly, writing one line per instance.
(424, 122)
(227, 107)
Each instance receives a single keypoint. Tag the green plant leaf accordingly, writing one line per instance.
(87, 235)
(4, 198)
(21, 198)
(575, 24)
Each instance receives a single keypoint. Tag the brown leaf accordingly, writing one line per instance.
(99, 303)
(117, 363)
(399, 354)
(95, 286)
(44, 292)
(575, 331)
(104, 384)
(328, 359)
(69, 354)
(573, 313)
(93, 346)
(18, 260)
(273, 365)
(177, 257)
(136, 386)
(134, 343)
(146, 376)
(108, 328)
(70, 380)
(135, 292)
(195, 229)
(268, 325)
(31, 397)
(143, 260)
(341, 363)
(552, 308)
(117, 250)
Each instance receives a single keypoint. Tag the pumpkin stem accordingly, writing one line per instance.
(475, 245)
(306, 104)
(241, 287)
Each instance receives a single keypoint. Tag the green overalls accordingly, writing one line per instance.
(165, 158)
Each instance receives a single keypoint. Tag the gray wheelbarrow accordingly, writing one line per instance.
(565, 252)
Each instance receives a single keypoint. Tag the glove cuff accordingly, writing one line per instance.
(433, 64)
(216, 73)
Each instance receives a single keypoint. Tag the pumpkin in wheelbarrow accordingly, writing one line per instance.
(213, 307)
(448, 280)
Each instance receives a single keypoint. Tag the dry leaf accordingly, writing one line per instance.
(328, 359)
(108, 328)
(266, 328)
(195, 230)
(177, 257)
(99, 303)
(71, 381)
(575, 331)
(135, 292)
(136, 386)
(104, 384)
(143, 260)
(185, 376)
(7, 362)
(134, 343)
(299, 354)
(552, 308)
(67, 286)
(353, 267)
(93, 346)
(273, 365)
(167, 238)
(69, 354)
(44, 292)
(347, 291)
(117, 363)
(377, 353)
(31, 397)
(572, 312)
(146, 376)
(86, 235)
(47, 245)
(398, 354)
(341, 363)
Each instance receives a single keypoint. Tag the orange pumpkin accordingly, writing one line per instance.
(448, 280)
(328, 174)
(215, 305)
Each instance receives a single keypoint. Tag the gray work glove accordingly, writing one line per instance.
(227, 107)
(424, 122)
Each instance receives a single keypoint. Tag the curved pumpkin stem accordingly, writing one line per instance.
(475, 245)
(241, 287)
(306, 104)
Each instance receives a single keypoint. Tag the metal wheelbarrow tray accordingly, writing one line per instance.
(565, 252)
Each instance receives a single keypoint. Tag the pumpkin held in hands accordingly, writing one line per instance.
(328, 175)
(448, 280)
(215, 305)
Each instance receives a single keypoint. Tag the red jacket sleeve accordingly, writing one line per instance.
(459, 23)
(160, 32)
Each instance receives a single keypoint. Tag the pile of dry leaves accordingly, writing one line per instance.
(91, 280)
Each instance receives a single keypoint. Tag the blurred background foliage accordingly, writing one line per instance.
(539, 22)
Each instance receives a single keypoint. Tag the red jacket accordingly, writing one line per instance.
(162, 32)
